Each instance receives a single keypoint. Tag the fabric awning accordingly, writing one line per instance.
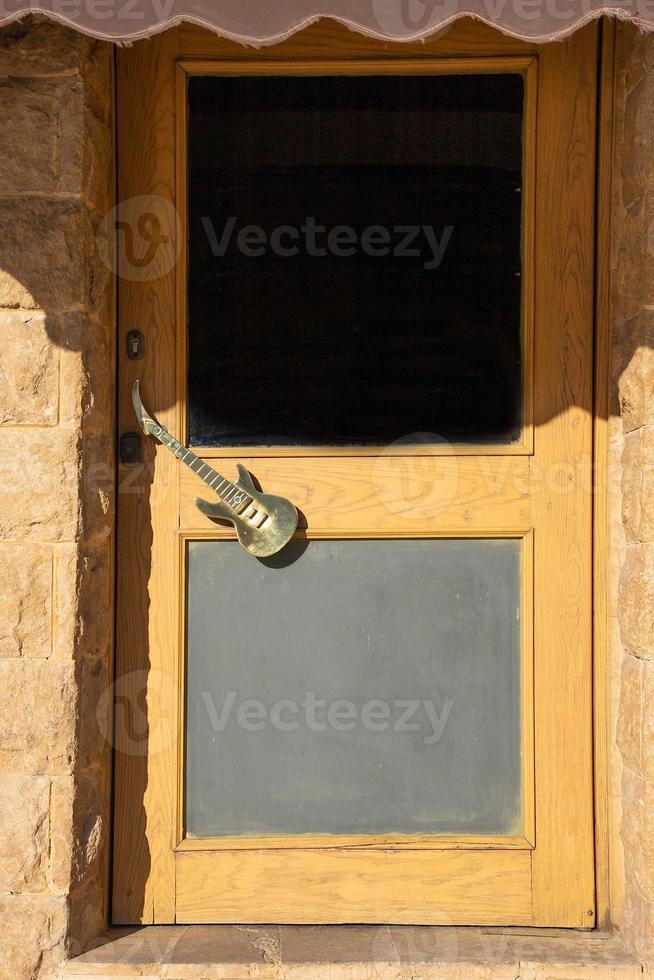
(264, 22)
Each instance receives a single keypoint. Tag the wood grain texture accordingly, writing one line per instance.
(362, 842)
(368, 66)
(563, 861)
(146, 665)
(495, 493)
(436, 888)
(604, 843)
(386, 494)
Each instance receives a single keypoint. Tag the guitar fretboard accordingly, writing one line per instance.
(232, 494)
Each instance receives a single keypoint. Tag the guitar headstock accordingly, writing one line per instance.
(147, 423)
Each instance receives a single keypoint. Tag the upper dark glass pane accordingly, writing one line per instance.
(354, 259)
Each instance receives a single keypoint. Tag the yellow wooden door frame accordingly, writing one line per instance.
(544, 873)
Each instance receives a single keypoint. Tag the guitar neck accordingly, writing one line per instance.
(226, 490)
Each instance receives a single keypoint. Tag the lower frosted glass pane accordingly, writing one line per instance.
(354, 687)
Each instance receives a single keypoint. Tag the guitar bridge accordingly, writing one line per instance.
(256, 517)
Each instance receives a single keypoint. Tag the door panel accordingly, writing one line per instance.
(432, 489)
(347, 727)
(456, 564)
(433, 887)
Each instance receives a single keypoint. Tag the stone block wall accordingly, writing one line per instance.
(56, 492)
(633, 405)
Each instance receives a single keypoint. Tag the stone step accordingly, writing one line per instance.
(354, 953)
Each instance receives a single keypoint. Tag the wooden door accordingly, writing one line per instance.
(516, 505)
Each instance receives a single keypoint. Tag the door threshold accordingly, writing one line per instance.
(353, 952)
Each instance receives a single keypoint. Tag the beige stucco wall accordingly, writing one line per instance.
(56, 496)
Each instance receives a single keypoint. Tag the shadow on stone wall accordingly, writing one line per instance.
(57, 470)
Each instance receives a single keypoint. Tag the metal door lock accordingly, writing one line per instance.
(135, 345)
(130, 448)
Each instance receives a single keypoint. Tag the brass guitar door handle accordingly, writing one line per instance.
(264, 523)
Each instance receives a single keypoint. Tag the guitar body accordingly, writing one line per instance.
(264, 526)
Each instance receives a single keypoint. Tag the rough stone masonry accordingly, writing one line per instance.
(632, 545)
(56, 493)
